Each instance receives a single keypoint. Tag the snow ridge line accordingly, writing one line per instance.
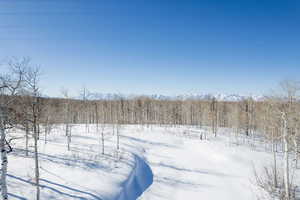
(138, 181)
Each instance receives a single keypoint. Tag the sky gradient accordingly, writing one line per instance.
(156, 46)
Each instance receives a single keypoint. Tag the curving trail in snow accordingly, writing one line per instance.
(189, 168)
(138, 181)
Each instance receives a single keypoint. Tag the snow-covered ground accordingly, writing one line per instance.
(82, 173)
(164, 162)
(191, 169)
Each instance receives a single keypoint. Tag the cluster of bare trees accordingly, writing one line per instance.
(19, 107)
(244, 115)
(280, 125)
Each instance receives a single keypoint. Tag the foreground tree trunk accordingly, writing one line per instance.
(36, 158)
(4, 162)
(274, 160)
(35, 104)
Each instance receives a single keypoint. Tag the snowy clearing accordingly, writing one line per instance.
(156, 163)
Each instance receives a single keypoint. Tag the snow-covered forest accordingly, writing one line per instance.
(141, 147)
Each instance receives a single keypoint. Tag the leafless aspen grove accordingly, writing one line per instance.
(273, 119)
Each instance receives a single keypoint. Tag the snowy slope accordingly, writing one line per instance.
(82, 173)
(189, 169)
(157, 163)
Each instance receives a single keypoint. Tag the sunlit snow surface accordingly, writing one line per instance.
(156, 162)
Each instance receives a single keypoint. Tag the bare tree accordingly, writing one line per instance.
(102, 138)
(67, 111)
(214, 115)
(11, 83)
(85, 94)
(33, 91)
(283, 117)
(287, 110)
(48, 120)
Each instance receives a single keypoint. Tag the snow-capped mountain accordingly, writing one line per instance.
(208, 96)
(220, 97)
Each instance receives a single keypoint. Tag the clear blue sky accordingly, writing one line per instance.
(155, 46)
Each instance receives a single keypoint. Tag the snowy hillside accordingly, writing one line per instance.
(162, 163)
(82, 173)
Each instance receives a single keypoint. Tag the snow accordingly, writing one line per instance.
(139, 180)
(189, 168)
(82, 173)
(154, 163)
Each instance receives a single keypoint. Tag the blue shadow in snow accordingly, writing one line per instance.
(139, 180)
(55, 190)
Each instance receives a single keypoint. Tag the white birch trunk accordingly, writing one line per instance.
(118, 138)
(296, 148)
(69, 137)
(286, 158)
(37, 173)
(36, 158)
(26, 137)
(4, 161)
(102, 137)
(274, 159)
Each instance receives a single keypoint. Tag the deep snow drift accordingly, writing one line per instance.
(155, 162)
(139, 180)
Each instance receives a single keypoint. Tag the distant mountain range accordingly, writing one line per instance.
(219, 97)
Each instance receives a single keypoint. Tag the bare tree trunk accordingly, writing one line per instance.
(296, 147)
(286, 157)
(45, 135)
(67, 129)
(26, 137)
(275, 161)
(118, 138)
(46, 129)
(69, 137)
(102, 138)
(4, 161)
(36, 158)
(38, 129)
(37, 173)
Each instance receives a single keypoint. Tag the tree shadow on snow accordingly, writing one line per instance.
(50, 186)
(172, 182)
(14, 196)
(87, 164)
(149, 142)
(207, 172)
